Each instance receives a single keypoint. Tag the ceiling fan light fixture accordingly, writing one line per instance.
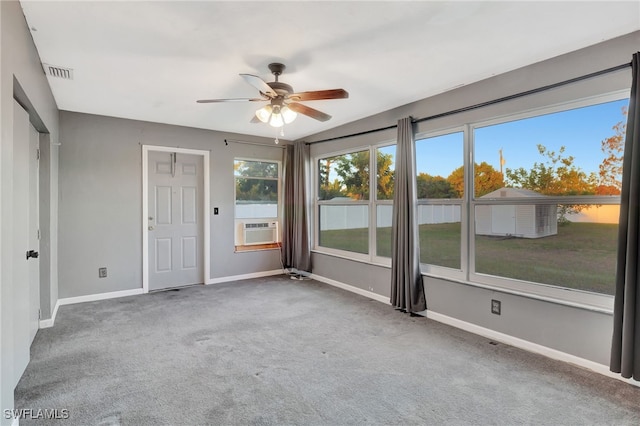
(288, 115)
(264, 113)
(276, 120)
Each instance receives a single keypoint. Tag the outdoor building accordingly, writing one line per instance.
(521, 220)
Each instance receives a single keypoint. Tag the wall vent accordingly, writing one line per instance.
(58, 72)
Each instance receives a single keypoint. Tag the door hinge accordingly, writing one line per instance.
(38, 154)
(38, 233)
(39, 314)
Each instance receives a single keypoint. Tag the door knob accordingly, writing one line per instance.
(32, 253)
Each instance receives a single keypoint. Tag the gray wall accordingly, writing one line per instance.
(100, 190)
(580, 332)
(21, 77)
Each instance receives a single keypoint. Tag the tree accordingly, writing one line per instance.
(328, 190)
(385, 176)
(331, 190)
(556, 176)
(610, 173)
(353, 172)
(260, 183)
(486, 179)
(353, 169)
(434, 187)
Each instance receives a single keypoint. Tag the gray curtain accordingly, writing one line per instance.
(295, 234)
(407, 292)
(625, 349)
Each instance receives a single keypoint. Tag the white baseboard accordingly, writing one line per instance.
(49, 322)
(99, 296)
(112, 295)
(244, 276)
(492, 334)
(361, 292)
(88, 298)
(528, 346)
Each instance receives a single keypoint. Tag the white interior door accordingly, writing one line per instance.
(21, 300)
(34, 233)
(175, 223)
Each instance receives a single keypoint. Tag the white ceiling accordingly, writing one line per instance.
(152, 60)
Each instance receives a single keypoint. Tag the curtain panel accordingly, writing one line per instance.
(407, 292)
(296, 251)
(625, 348)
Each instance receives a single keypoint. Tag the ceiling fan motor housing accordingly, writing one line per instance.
(281, 89)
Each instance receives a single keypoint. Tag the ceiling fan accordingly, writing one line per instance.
(284, 103)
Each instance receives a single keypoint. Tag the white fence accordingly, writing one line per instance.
(254, 211)
(357, 216)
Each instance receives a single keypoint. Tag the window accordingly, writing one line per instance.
(527, 203)
(343, 194)
(546, 198)
(385, 172)
(440, 187)
(257, 187)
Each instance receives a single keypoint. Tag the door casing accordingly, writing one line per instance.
(206, 261)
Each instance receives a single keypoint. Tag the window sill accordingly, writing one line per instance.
(257, 247)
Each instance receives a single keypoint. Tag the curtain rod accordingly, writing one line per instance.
(226, 142)
(485, 104)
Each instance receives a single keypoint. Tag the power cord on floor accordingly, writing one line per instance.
(293, 273)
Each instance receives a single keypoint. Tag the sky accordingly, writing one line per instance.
(580, 131)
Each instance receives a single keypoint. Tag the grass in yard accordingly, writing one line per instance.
(440, 244)
(355, 240)
(580, 256)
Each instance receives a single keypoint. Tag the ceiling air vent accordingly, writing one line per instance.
(59, 72)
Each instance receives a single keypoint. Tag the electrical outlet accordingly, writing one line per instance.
(102, 272)
(496, 306)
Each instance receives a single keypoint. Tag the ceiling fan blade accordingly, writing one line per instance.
(210, 101)
(320, 95)
(259, 84)
(309, 112)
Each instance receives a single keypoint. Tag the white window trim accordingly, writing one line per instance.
(560, 295)
(280, 209)
(373, 180)
(372, 203)
(438, 270)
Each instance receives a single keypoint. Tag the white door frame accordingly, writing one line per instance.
(145, 210)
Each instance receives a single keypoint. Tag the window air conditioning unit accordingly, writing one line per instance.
(260, 233)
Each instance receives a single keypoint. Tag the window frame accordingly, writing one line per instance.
(373, 236)
(438, 270)
(549, 292)
(280, 199)
(372, 203)
(467, 275)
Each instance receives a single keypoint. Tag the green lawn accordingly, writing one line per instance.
(581, 255)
